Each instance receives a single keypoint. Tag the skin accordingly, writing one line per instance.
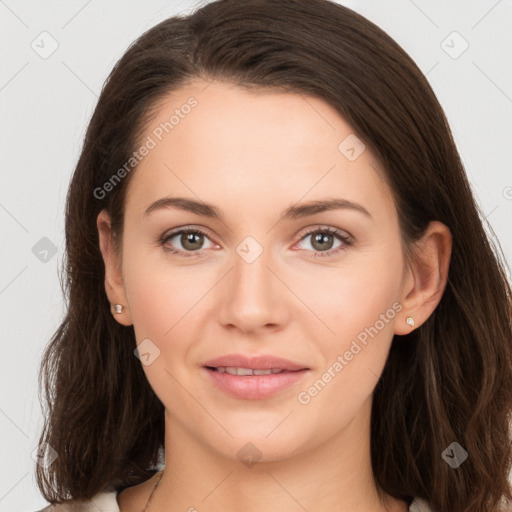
(254, 154)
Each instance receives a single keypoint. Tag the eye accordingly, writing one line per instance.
(190, 239)
(322, 240)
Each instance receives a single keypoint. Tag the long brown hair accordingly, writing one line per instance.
(448, 381)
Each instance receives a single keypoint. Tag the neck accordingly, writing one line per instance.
(335, 475)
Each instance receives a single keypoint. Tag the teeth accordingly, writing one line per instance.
(246, 371)
(263, 372)
(238, 371)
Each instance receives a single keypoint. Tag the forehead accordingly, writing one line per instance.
(227, 145)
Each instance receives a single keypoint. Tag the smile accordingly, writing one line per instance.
(245, 371)
(253, 384)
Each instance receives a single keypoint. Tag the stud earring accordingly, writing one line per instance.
(118, 309)
(410, 321)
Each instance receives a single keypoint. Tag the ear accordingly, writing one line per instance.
(425, 277)
(114, 284)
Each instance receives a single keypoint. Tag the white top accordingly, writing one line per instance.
(106, 501)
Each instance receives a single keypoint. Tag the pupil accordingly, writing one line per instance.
(322, 238)
(190, 238)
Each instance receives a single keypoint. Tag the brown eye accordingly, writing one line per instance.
(190, 242)
(323, 241)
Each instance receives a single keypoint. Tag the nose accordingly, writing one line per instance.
(252, 295)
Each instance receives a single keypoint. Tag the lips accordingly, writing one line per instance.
(261, 362)
(232, 370)
(253, 377)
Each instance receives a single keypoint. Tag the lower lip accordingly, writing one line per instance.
(255, 387)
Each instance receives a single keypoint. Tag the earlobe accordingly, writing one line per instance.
(114, 284)
(426, 279)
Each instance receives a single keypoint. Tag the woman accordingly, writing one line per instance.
(280, 289)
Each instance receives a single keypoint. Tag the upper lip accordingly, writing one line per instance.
(259, 362)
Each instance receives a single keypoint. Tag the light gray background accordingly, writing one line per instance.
(46, 104)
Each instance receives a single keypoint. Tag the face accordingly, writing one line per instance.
(318, 287)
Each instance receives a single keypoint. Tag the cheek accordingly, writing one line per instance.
(162, 300)
(159, 292)
(151, 301)
(359, 306)
(353, 296)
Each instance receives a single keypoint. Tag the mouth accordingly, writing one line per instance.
(253, 383)
(232, 370)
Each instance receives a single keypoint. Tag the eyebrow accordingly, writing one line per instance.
(296, 211)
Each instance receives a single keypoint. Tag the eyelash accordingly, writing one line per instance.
(347, 242)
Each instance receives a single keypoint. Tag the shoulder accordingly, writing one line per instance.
(419, 505)
(105, 501)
